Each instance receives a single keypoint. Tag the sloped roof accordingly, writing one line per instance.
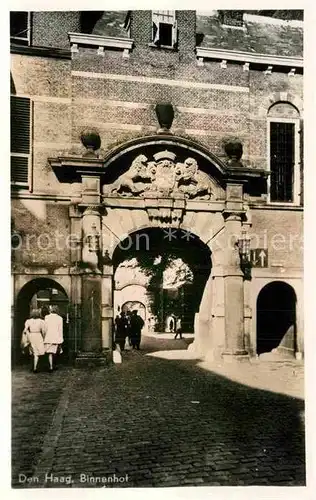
(112, 24)
(259, 36)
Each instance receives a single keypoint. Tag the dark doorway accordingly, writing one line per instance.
(276, 318)
(39, 294)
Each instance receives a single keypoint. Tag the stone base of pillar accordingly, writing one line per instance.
(236, 357)
(213, 355)
(92, 359)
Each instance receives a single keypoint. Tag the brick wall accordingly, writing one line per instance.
(219, 109)
(123, 109)
(50, 29)
(282, 233)
(141, 27)
(47, 82)
(43, 227)
(186, 20)
(262, 87)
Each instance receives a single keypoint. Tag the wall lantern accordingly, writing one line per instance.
(93, 239)
(244, 252)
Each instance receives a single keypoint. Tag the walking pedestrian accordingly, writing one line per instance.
(171, 324)
(53, 335)
(128, 342)
(121, 330)
(137, 324)
(178, 328)
(32, 336)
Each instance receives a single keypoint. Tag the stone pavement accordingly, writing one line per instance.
(158, 419)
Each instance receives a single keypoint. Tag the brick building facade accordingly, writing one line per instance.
(75, 75)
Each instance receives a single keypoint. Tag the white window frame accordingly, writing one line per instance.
(29, 185)
(296, 174)
(27, 38)
(166, 17)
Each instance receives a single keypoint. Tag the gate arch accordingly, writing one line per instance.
(31, 292)
(201, 267)
(276, 318)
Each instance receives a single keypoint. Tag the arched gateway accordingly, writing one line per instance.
(175, 185)
(38, 293)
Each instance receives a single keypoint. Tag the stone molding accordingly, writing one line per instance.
(248, 57)
(102, 42)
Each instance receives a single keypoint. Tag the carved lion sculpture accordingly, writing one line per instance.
(133, 181)
(191, 181)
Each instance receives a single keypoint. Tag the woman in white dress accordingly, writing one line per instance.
(53, 334)
(34, 329)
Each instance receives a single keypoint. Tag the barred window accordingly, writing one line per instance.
(20, 27)
(164, 32)
(283, 137)
(20, 140)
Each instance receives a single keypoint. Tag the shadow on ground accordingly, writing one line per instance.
(160, 422)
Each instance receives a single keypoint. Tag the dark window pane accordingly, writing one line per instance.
(19, 24)
(165, 34)
(282, 161)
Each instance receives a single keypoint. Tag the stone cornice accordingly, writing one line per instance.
(249, 57)
(102, 42)
(240, 173)
(40, 51)
(275, 206)
(70, 168)
(27, 195)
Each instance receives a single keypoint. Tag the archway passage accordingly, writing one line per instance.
(133, 305)
(276, 318)
(40, 293)
(176, 265)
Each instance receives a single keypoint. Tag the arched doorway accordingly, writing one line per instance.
(276, 318)
(177, 265)
(39, 293)
(131, 305)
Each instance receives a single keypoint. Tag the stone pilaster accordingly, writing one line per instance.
(107, 307)
(75, 234)
(91, 239)
(91, 314)
(91, 344)
(233, 275)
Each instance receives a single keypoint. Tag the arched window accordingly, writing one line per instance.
(283, 153)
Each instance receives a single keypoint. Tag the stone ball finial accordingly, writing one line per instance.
(91, 140)
(165, 116)
(233, 148)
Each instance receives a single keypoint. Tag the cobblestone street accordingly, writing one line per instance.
(157, 420)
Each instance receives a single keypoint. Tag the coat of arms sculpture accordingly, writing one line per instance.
(162, 178)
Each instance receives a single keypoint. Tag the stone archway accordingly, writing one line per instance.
(276, 318)
(170, 183)
(39, 293)
(171, 288)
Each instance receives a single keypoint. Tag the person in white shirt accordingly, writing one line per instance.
(178, 328)
(53, 334)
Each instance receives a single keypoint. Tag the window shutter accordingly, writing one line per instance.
(174, 33)
(19, 170)
(20, 125)
(20, 140)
